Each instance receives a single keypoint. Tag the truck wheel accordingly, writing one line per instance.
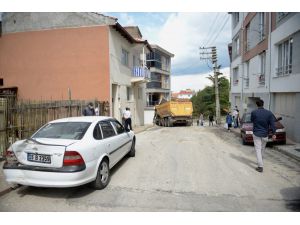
(168, 121)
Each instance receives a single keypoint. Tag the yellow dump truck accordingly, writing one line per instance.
(173, 112)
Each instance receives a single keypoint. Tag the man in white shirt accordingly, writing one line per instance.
(127, 118)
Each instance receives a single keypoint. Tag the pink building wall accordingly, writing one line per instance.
(44, 64)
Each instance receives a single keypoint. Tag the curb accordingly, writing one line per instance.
(286, 152)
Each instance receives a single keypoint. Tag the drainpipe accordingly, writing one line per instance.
(270, 55)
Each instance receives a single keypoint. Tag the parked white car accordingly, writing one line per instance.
(69, 152)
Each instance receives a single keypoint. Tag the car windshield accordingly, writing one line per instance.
(64, 130)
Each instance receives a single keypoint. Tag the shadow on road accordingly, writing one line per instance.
(291, 197)
(243, 160)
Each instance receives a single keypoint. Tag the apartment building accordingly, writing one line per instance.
(265, 55)
(48, 55)
(159, 85)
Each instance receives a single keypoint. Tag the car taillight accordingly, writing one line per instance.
(10, 156)
(72, 158)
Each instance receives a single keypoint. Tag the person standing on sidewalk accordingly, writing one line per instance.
(89, 110)
(127, 118)
(229, 121)
(262, 120)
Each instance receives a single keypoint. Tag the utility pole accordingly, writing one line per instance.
(216, 68)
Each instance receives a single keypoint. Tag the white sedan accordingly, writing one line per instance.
(69, 152)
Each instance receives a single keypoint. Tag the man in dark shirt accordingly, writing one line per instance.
(262, 120)
(89, 110)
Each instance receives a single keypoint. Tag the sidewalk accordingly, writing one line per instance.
(5, 187)
(292, 149)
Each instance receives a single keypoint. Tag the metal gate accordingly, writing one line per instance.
(7, 101)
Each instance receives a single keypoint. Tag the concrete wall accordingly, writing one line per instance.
(149, 115)
(44, 64)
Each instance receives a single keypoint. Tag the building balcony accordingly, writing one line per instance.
(284, 70)
(140, 74)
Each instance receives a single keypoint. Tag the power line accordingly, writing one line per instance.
(214, 29)
(212, 25)
(217, 35)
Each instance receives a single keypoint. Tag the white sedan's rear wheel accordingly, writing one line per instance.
(103, 176)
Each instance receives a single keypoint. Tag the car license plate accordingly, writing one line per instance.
(34, 157)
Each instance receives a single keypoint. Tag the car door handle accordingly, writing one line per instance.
(108, 145)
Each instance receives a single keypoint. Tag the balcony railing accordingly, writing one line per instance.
(140, 74)
(284, 70)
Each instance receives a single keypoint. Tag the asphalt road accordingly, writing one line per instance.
(179, 169)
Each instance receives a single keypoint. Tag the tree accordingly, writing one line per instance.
(204, 100)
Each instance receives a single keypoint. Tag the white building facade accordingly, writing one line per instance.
(265, 64)
(128, 73)
(159, 85)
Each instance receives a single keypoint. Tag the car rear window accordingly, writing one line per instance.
(64, 130)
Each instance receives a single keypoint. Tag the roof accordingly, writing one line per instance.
(186, 92)
(162, 50)
(129, 37)
(90, 119)
(134, 31)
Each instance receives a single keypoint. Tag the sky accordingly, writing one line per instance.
(182, 33)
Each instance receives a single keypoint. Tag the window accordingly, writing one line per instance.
(261, 26)
(236, 18)
(236, 46)
(247, 46)
(119, 128)
(235, 76)
(262, 57)
(63, 130)
(124, 57)
(262, 72)
(134, 62)
(166, 82)
(285, 57)
(129, 93)
(107, 129)
(167, 64)
(97, 133)
(247, 75)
